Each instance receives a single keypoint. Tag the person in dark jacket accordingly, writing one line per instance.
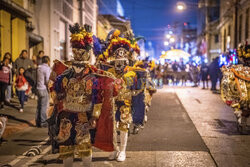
(214, 70)
(204, 75)
(23, 61)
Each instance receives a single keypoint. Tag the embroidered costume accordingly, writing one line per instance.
(83, 103)
(235, 87)
(118, 58)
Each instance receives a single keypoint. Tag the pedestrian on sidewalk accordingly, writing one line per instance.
(23, 61)
(43, 73)
(214, 70)
(8, 94)
(21, 86)
(204, 75)
(4, 79)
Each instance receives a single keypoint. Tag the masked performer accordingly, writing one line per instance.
(235, 87)
(143, 91)
(83, 98)
(115, 59)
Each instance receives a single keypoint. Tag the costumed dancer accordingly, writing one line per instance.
(83, 98)
(235, 87)
(142, 94)
(115, 59)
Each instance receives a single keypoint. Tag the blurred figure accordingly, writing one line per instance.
(43, 73)
(39, 57)
(194, 72)
(175, 70)
(9, 87)
(4, 79)
(21, 86)
(158, 75)
(204, 75)
(214, 72)
(183, 75)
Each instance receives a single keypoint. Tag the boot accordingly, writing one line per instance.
(124, 139)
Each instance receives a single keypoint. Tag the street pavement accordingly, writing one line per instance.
(186, 127)
(216, 124)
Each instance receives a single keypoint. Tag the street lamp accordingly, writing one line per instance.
(181, 6)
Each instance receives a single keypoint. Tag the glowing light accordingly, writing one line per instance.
(181, 6)
(147, 54)
(168, 36)
(166, 43)
(162, 52)
(172, 39)
(170, 32)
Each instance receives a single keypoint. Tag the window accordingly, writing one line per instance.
(247, 24)
(62, 39)
(240, 28)
(216, 38)
(67, 11)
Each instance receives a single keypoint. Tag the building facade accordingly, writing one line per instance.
(234, 23)
(207, 32)
(43, 25)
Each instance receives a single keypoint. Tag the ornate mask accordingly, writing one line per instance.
(120, 65)
(80, 54)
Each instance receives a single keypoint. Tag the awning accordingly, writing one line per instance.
(34, 39)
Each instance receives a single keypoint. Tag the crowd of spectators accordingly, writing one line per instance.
(180, 73)
(26, 78)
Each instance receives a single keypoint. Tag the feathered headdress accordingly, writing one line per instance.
(116, 43)
(81, 37)
(244, 51)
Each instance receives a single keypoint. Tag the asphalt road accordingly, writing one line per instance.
(169, 127)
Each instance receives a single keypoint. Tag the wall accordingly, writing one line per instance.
(5, 31)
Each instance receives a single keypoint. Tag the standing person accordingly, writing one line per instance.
(43, 73)
(194, 74)
(9, 87)
(4, 79)
(21, 86)
(39, 57)
(23, 61)
(26, 63)
(204, 75)
(214, 72)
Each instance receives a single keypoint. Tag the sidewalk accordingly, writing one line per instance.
(216, 124)
(18, 121)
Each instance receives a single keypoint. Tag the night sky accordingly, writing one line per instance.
(150, 18)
